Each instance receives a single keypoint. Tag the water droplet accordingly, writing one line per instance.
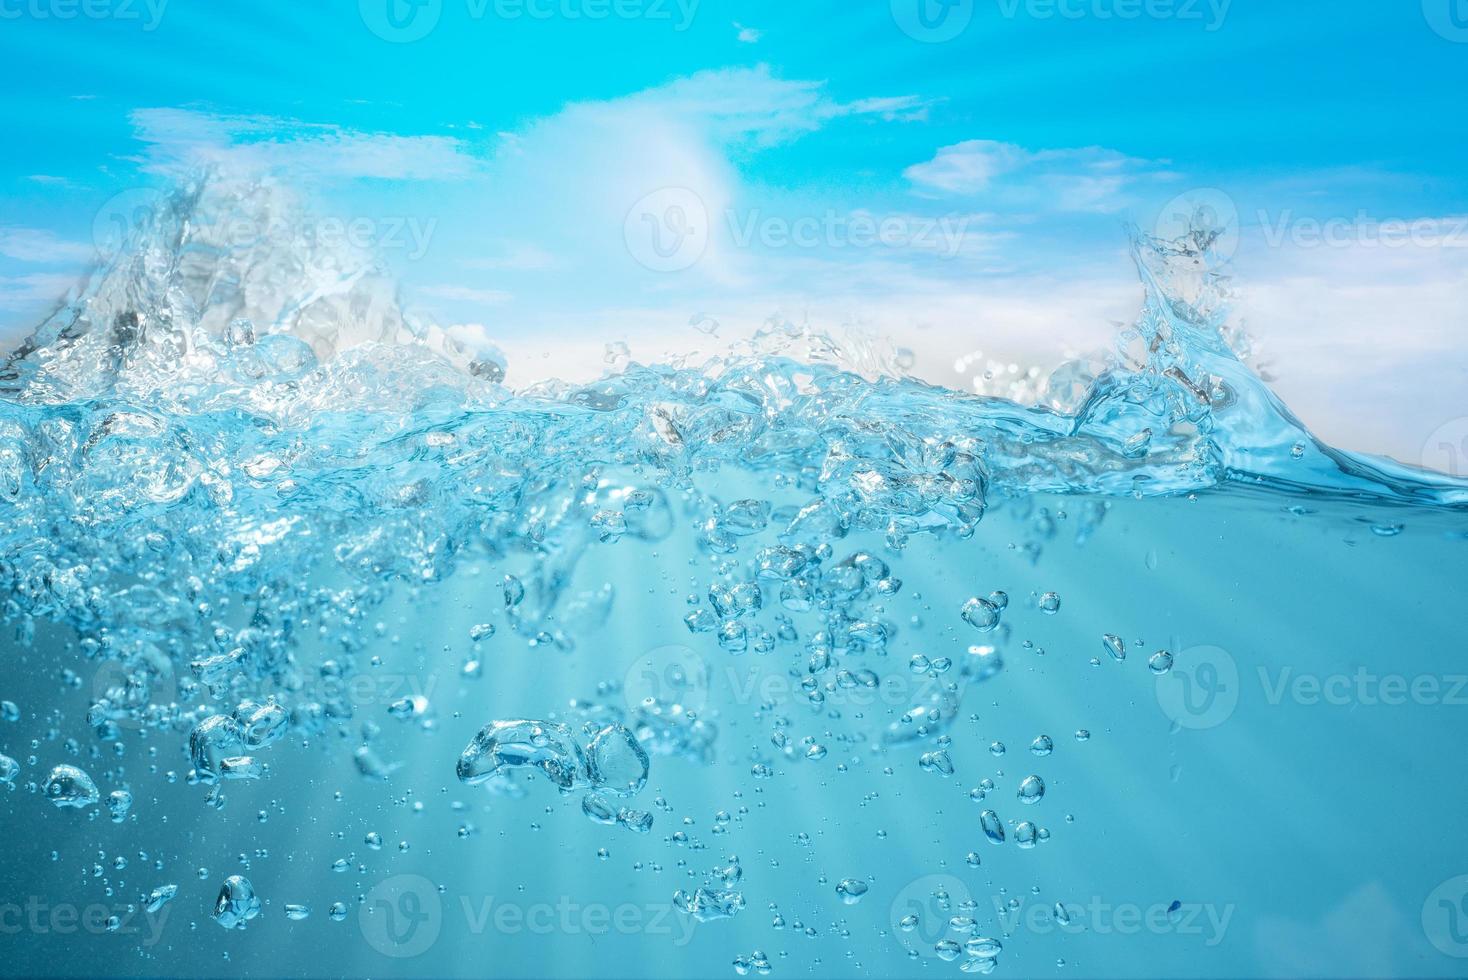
(981, 614)
(1161, 662)
(993, 827)
(1032, 789)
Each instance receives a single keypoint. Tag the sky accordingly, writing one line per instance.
(956, 175)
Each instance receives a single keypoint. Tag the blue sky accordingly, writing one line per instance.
(569, 172)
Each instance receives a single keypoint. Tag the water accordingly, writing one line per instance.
(704, 669)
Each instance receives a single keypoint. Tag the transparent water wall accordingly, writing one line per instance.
(325, 653)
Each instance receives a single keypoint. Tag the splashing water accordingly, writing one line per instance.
(226, 463)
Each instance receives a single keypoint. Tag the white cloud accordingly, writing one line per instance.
(34, 291)
(1089, 179)
(185, 139)
(43, 247)
(747, 35)
(468, 294)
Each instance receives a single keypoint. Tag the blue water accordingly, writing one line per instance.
(397, 663)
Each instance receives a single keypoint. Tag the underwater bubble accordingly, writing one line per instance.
(1175, 912)
(638, 821)
(1026, 834)
(707, 904)
(160, 897)
(851, 890)
(983, 947)
(241, 767)
(481, 631)
(297, 912)
(1082, 735)
(1031, 790)
(938, 762)
(1042, 745)
(237, 903)
(908, 922)
(68, 786)
(996, 748)
(947, 949)
(993, 827)
(1062, 914)
(119, 801)
(1160, 662)
(981, 614)
(9, 769)
(598, 809)
(1115, 646)
(337, 912)
(502, 746)
(260, 725)
(1050, 603)
(373, 840)
(9, 711)
(616, 762)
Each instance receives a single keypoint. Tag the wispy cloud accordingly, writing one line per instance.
(43, 247)
(1092, 178)
(468, 294)
(189, 138)
(747, 35)
(31, 291)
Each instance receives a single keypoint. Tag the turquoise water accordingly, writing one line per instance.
(780, 662)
